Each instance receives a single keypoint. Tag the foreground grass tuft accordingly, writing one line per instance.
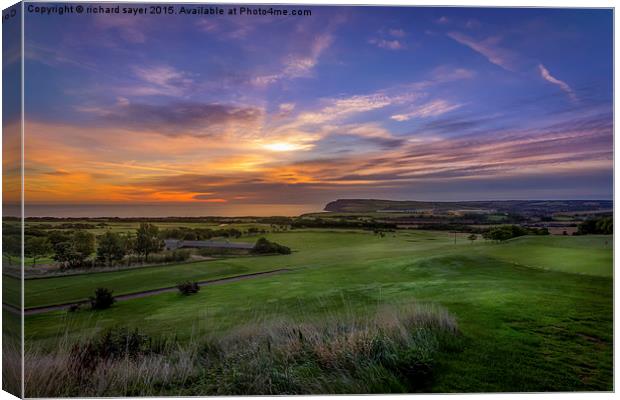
(393, 351)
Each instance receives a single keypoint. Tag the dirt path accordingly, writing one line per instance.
(152, 292)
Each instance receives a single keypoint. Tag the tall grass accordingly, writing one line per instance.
(11, 363)
(392, 351)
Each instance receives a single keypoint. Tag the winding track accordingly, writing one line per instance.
(152, 292)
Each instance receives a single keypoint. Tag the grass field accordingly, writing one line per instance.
(310, 249)
(588, 255)
(127, 226)
(41, 292)
(535, 313)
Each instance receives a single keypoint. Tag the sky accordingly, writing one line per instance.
(235, 113)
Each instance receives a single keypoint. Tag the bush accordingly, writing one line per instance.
(161, 258)
(264, 246)
(187, 288)
(74, 307)
(103, 299)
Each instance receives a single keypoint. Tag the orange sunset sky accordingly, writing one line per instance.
(420, 104)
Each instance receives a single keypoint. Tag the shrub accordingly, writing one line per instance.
(102, 299)
(187, 288)
(163, 257)
(264, 246)
(74, 307)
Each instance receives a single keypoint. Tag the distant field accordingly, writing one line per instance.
(527, 325)
(124, 226)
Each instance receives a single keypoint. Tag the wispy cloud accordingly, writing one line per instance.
(207, 25)
(489, 48)
(54, 57)
(387, 44)
(444, 74)
(297, 65)
(392, 40)
(431, 109)
(473, 24)
(338, 109)
(160, 80)
(337, 116)
(546, 75)
(286, 107)
(397, 32)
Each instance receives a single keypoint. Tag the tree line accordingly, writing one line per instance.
(73, 249)
(505, 232)
(596, 226)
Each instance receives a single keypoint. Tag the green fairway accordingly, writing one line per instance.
(589, 255)
(310, 248)
(524, 328)
(11, 290)
(59, 290)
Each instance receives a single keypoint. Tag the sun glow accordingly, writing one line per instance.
(281, 146)
(287, 146)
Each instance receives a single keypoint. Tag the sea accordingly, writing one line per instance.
(126, 210)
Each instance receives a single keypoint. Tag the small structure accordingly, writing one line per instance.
(174, 244)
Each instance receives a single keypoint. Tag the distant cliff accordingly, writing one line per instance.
(507, 206)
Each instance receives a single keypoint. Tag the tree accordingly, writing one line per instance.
(472, 237)
(130, 246)
(37, 247)
(236, 233)
(66, 256)
(600, 226)
(102, 299)
(605, 225)
(74, 252)
(147, 240)
(58, 236)
(111, 248)
(84, 244)
(11, 247)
